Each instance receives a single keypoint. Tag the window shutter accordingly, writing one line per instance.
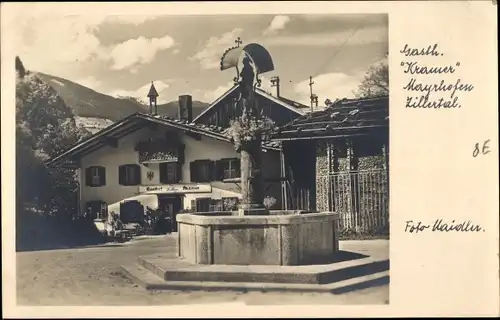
(121, 175)
(238, 167)
(137, 171)
(192, 169)
(88, 177)
(179, 172)
(212, 170)
(219, 170)
(163, 172)
(102, 176)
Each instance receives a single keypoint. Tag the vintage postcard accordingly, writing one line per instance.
(250, 159)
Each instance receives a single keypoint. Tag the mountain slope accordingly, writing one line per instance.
(87, 103)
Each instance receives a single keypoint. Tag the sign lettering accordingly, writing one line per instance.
(176, 188)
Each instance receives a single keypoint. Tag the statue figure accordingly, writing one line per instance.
(247, 77)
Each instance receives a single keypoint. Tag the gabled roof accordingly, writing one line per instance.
(294, 103)
(343, 117)
(136, 122)
(289, 104)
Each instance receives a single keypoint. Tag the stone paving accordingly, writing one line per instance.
(92, 276)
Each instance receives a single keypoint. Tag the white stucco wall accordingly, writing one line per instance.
(111, 158)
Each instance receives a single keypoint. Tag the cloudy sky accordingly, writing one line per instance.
(121, 55)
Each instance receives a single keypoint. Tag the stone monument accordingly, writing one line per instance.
(253, 235)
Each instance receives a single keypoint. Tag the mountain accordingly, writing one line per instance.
(87, 103)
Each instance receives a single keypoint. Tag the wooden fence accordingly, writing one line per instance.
(361, 198)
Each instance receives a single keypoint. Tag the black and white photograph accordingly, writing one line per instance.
(189, 159)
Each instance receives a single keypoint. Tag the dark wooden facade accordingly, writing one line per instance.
(223, 111)
(298, 169)
(348, 138)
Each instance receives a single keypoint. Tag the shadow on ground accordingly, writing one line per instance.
(36, 232)
(355, 271)
(339, 256)
(382, 281)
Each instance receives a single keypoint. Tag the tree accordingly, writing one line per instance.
(45, 126)
(375, 83)
(21, 71)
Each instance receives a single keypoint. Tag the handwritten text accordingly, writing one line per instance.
(423, 90)
(439, 225)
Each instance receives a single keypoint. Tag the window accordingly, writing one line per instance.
(95, 176)
(129, 175)
(231, 169)
(202, 171)
(170, 172)
(228, 168)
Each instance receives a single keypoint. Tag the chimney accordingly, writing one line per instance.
(152, 95)
(185, 108)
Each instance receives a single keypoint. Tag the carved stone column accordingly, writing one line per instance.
(252, 186)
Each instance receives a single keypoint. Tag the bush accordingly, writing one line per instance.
(230, 204)
(250, 131)
(269, 202)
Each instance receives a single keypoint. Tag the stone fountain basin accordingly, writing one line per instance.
(280, 238)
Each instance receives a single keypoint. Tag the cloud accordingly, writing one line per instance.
(129, 19)
(353, 37)
(48, 42)
(138, 51)
(329, 85)
(142, 92)
(52, 42)
(176, 51)
(209, 56)
(212, 95)
(278, 23)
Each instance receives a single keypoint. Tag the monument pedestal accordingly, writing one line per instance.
(280, 238)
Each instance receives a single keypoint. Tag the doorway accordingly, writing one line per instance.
(171, 205)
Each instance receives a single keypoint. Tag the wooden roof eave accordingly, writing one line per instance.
(324, 133)
(92, 140)
(185, 127)
(128, 125)
(335, 129)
